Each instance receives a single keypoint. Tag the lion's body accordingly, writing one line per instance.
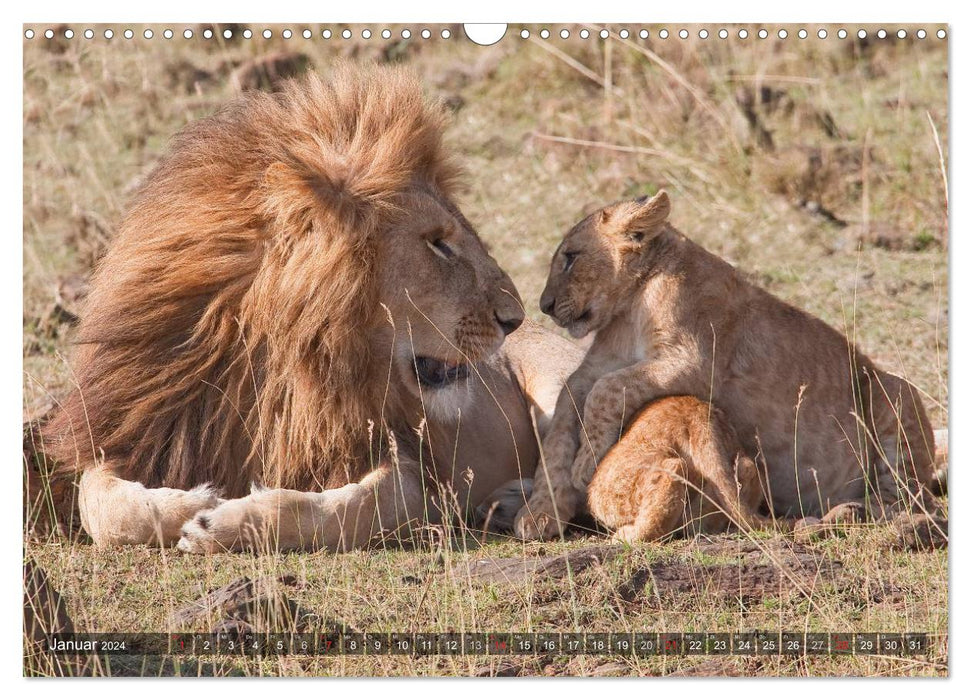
(825, 425)
(266, 311)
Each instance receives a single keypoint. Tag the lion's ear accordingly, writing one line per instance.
(637, 221)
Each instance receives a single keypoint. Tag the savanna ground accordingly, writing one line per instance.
(816, 165)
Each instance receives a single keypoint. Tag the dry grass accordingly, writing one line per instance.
(818, 166)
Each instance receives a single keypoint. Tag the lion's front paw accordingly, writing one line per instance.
(230, 527)
(196, 539)
(498, 512)
(535, 524)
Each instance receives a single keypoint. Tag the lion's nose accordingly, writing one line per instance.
(508, 325)
(546, 304)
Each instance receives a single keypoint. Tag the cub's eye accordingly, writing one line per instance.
(440, 248)
(568, 260)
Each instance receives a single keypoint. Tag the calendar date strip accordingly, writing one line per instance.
(500, 643)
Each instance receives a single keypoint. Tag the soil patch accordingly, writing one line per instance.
(515, 570)
(766, 568)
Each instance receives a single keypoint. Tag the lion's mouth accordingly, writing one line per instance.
(566, 321)
(436, 374)
(578, 326)
(583, 318)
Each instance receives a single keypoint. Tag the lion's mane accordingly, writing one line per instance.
(226, 336)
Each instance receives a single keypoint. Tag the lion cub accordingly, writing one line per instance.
(673, 320)
(679, 468)
(680, 465)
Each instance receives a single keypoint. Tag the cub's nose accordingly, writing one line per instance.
(508, 325)
(547, 303)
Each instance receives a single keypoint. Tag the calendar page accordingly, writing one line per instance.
(546, 349)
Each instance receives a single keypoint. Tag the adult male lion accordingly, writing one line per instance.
(293, 300)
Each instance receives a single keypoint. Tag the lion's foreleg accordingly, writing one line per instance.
(115, 511)
(554, 500)
(389, 499)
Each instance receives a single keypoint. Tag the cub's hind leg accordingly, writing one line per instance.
(902, 449)
(727, 492)
(639, 498)
(678, 466)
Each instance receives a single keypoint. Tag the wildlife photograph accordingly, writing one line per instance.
(534, 350)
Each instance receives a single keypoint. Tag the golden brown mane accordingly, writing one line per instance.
(226, 337)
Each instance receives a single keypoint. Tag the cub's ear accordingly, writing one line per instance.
(637, 221)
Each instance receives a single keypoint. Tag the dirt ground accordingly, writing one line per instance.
(818, 166)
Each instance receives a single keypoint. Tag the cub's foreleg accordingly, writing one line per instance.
(619, 395)
(555, 500)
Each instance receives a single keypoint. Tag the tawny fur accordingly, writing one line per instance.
(825, 425)
(259, 225)
(678, 468)
(257, 319)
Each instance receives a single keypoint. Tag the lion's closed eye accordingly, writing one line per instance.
(568, 260)
(440, 248)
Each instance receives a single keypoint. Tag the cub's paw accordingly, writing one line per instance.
(627, 534)
(849, 513)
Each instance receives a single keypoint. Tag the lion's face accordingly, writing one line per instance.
(593, 268)
(450, 303)
(577, 292)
